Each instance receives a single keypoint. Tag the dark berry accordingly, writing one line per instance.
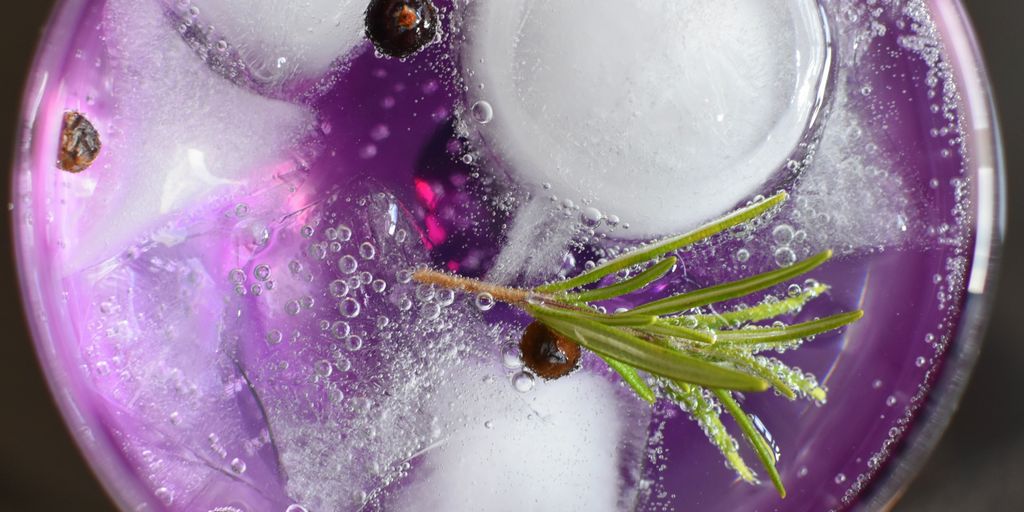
(79, 143)
(400, 28)
(547, 353)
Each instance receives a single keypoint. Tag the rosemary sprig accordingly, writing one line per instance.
(695, 360)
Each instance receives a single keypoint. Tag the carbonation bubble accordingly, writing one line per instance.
(238, 465)
(510, 356)
(403, 276)
(335, 395)
(590, 216)
(340, 329)
(445, 297)
(425, 292)
(742, 255)
(365, 277)
(274, 337)
(347, 264)
(484, 301)
(523, 381)
(348, 308)
(482, 112)
(261, 272)
(323, 368)
(794, 290)
(338, 288)
(292, 307)
(342, 363)
(260, 236)
(783, 234)
(344, 233)
(431, 310)
(360, 496)
(353, 343)
(295, 507)
(784, 257)
(318, 251)
(236, 275)
(164, 495)
(367, 250)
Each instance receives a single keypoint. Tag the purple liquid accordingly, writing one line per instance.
(191, 419)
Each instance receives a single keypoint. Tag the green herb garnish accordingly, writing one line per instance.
(665, 349)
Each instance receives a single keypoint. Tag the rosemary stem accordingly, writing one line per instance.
(506, 294)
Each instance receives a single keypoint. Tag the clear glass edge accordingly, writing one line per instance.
(51, 47)
(930, 421)
(988, 186)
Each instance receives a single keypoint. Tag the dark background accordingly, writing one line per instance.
(978, 466)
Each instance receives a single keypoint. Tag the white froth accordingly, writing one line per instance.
(554, 448)
(183, 134)
(665, 113)
(310, 35)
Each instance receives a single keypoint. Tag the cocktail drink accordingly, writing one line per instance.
(334, 254)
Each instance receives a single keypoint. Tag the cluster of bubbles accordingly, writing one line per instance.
(522, 380)
(784, 245)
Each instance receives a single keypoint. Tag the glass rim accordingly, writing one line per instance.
(51, 47)
(978, 118)
(987, 182)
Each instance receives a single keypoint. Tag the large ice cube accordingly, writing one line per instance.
(663, 112)
(182, 134)
(558, 447)
(281, 40)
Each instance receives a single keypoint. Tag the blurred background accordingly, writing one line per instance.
(978, 466)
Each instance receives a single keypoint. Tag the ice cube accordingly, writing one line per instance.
(166, 384)
(182, 134)
(559, 446)
(281, 40)
(664, 112)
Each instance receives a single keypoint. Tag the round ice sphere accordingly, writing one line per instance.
(662, 112)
